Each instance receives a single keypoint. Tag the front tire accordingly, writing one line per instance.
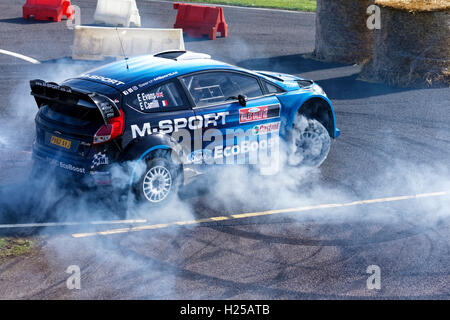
(309, 144)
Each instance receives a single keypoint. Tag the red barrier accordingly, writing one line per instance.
(197, 21)
(47, 9)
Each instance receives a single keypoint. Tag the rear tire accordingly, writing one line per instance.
(309, 144)
(160, 182)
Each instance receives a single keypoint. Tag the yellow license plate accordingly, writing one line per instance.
(60, 142)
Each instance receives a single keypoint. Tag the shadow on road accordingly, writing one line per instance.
(20, 20)
(293, 64)
(350, 87)
(335, 85)
(192, 39)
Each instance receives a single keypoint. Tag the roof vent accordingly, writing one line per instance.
(182, 55)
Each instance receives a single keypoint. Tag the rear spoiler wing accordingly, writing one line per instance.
(53, 92)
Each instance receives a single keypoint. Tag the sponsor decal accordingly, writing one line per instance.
(174, 125)
(266, 128)
(259, 113)
(102, 79)
(53, 86)
(66, 166)
(99, 159)
(218, 153)
(243, 148)
(198, 156)
(144, 84)
(253, 114)
(101, 178)
(70, 167)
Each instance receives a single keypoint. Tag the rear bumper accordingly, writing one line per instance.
(71, 168)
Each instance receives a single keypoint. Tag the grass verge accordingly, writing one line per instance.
(299, 5)
(13, 247)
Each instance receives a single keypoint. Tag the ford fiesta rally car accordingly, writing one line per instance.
(131, 110)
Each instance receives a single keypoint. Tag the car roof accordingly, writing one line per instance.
(143, 70)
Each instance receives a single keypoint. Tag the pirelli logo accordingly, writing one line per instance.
(259, 113)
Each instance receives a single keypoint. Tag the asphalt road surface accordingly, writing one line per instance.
(395, 142)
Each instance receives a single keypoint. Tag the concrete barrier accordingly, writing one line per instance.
(97, 43)
(117, 13)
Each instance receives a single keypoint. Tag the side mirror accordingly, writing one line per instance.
(242, 100)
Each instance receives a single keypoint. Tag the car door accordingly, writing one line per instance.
(232, 129)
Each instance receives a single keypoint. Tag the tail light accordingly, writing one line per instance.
(110, 131)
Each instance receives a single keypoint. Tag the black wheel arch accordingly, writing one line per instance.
(159, 145)
(143, 148)
(320, 110)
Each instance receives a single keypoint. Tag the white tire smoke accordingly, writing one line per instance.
(309, 144)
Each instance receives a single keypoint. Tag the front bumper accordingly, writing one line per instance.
(337, 133)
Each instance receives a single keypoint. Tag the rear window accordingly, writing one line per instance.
(70, 114)
(271, 88)
(167, 96)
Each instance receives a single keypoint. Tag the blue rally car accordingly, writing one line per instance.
(137, 109)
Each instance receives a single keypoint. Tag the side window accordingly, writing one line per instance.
(246, 85)
(162, 97)
(271, 88)
(218, 87)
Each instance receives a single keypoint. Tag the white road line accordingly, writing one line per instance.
(68, 223)
(212, 219)
(262, 213)
(20, 56)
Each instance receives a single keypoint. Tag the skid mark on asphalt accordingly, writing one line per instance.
(262, 213)
(20, 56)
